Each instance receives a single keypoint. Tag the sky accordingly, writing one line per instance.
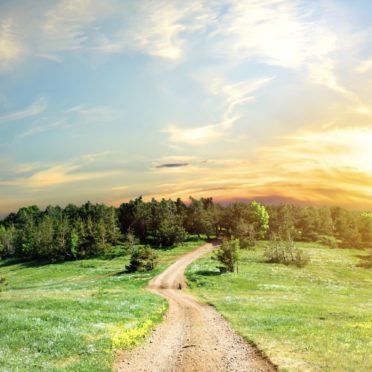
(234, 99)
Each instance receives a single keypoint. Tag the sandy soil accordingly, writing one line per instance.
(193, 336)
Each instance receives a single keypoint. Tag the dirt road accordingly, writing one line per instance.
(193, 337)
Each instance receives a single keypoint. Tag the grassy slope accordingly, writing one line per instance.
(315, 318)
(61, 316)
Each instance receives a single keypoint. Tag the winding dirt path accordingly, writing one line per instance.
(193, 336)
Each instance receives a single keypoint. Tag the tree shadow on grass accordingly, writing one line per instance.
(27, 263)
(365, 261)
(11, 262)
(122, 272)
(208, 272)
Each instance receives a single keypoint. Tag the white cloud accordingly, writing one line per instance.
(198, 135)
(233, 95)
(10, 48)
(287, 34)
(323, 74)
(47, 175)
(92, 114)
(71, 25)
(278, 32)
(156, 28)
(364, 66)
(42, 128)
(36, 108)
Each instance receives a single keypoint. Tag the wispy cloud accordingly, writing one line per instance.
(69, 25)
(233, 95)
(44, 176)
(93, 113)
(42, 128)
(156, 29)
(275, 32)
(364, 66)
(198, 135)
(323, 73)
(278, 32)
(36, 108)
(10, 48)
(67, 118)
(333, 163)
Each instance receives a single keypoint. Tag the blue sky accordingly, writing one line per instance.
(106, 101)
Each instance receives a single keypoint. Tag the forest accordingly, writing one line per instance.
(76, 232)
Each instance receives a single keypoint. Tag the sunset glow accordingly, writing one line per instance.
(238, 100)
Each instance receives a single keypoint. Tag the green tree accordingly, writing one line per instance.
(227, 255)
(143, 258)
(246, 234)
(238, 216)
(73, 243)
(200, 217)
(7, 241)
(260, 220)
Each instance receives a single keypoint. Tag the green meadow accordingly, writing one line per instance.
(72, 316)
(305, 319)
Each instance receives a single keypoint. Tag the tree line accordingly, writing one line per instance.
(84, 231)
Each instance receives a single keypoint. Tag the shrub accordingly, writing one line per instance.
(130, 239)
(227, 255)
(143, 258)
(285, 252)
(247, 236)
(329, 240)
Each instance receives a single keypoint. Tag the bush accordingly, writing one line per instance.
(247, 236)
(329, 240)
(285, 252)
(227, 255)
(143, 258)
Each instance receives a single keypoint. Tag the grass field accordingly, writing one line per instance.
(71, 316)
(315, 318)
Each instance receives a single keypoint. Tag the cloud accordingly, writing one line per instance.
(275, 32)
(10, 48)
(233, 95)
(319, 166)
(68, 25)
(55, 176)
(153, 28)
(36, 108)
(364, 66)
(157, 29)
(298, 36)
(198, 135)
(278, 32)
(44, 176)
(323, 73)
(172, 165)
(74, 114)
(42, 128)
(93, 113)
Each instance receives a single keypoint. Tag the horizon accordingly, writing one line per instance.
(231, 100)
(267, 201)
